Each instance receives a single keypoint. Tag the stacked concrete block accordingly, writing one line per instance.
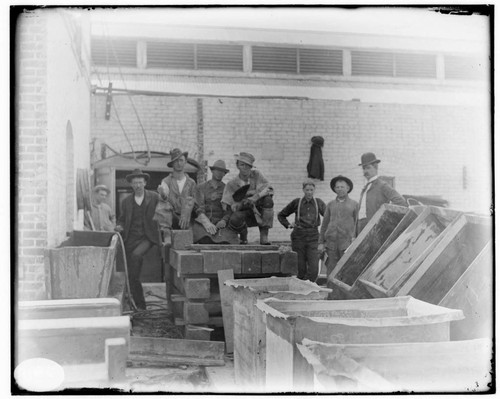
(195, 295)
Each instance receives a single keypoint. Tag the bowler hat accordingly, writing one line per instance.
(175, 154)
(137, 173)
(245, 157)
(341, 178)
(368, 158)
(100, 187)
(219, 165)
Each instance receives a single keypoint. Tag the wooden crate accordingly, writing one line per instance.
(384, 227)
(82, 266)
(451, 257)
(359, 321)
(250, 326)
(407, 252)
(473, 294)
(460, 366)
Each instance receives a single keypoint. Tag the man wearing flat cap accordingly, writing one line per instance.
(102, 216)
(375, 193)
(177, 197)
(138, 229)
(339, 224)
(212, 219)
(256, 208)
(304, 236)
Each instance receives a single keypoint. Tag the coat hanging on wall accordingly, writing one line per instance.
(316, 166)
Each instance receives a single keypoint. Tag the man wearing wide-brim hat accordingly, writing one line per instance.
(102, 216)
(257, 206)
(375, 193)
(138, 229)
(210, 225)
(338, 229)
(177, 197)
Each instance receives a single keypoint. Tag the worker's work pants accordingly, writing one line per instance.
(305, 243)
(361, 225)
(334, 255)
(245, 217)
(135, 251)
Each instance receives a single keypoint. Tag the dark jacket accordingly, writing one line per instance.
(381, 193)
(150, 226)
(316, 165)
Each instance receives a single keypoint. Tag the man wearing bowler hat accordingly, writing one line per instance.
(256, 207)
(304, 236)
(375, 193)
(103, 217)
(339, 223)
(138, 229)
(177, 197)
(211, 222)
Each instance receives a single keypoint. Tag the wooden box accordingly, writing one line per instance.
(359, 321)
(385, 226)
(249, 322)
(460, 366)
(451, 257)
(400, 260)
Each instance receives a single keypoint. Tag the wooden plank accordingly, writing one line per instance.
(68, 308)
(213, 261)
(226, 295)
(116, 358)
(152, 360)
(270, 261)
(231, 247)
(197, 332)
(186, 262)
(215, 321)
(251, 262)
(177, 350)
(473, 294)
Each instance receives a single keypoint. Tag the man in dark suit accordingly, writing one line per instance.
(375, 192)
(138, 229)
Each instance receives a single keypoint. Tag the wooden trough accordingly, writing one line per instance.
(87, 337)
(83, 266)
(250, 323)
(459, 366)
(473, 294)
(399, 261)
(381, 231)
(451, 257)
(359, 321)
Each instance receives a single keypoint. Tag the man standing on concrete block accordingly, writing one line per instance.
(103, 217)
(210, 226)
(138, 229)
(255, 206)
(305, 230)
(177, 197)
(339, 224)
(375, 193)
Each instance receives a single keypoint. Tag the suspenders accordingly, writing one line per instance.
(297, 217)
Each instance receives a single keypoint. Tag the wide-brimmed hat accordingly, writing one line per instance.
(137, 173)
(100, 187)
(368, 158)
(219, 165)
(241, 193)
(245, 157)
(342, 178)
(175, 154)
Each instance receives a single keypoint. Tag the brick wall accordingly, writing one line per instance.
(51, 95)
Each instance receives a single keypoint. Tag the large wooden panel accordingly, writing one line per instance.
(473, 294)
(366, 245)
(408, 251)
(68, 308)
(448, 261)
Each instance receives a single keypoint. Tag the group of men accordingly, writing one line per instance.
(222, 213)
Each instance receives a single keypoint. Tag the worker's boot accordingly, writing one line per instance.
(244, 236)
(264, 232)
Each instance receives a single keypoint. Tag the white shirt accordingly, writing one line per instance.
(362, 203)
(138, 200)
(181, 183)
